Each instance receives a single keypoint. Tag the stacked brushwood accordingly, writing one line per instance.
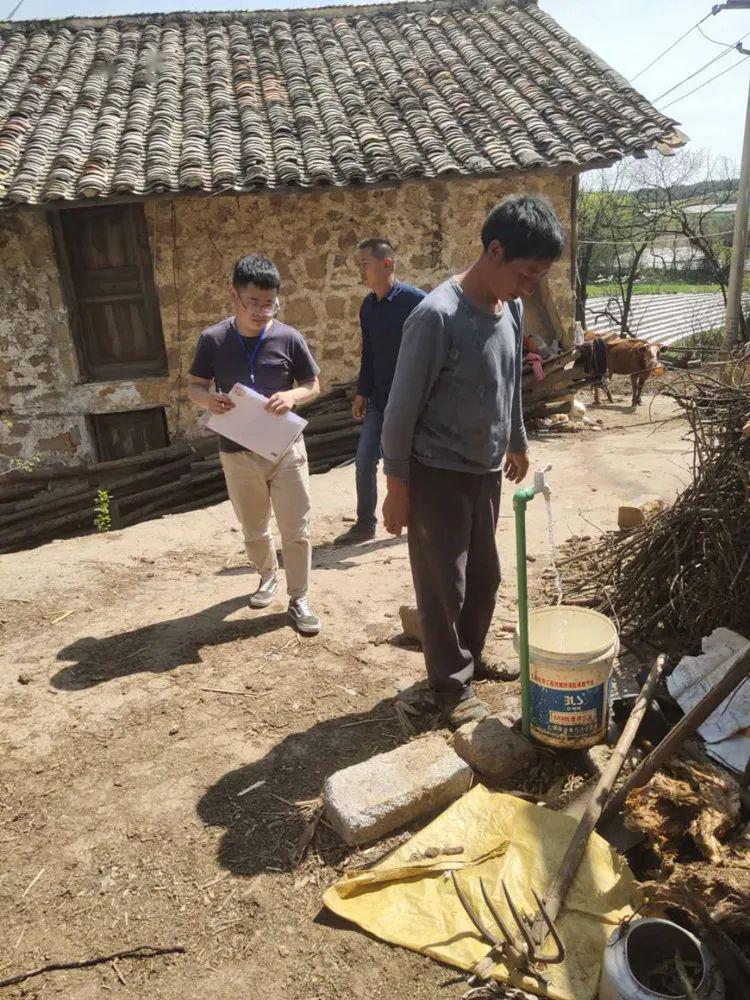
(687, 571)
(45, 504)
(331, 434)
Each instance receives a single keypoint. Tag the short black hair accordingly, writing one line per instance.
(525, 226)
(381, 248)
(256, 269)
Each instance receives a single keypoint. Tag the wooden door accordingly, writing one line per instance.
(106, 265)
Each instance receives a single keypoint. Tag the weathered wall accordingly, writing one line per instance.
(195, 241)
(43, 403)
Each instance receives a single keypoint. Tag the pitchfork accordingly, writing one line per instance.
(524, 951)
(519, 950)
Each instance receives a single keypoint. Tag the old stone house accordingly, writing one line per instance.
(140, 156)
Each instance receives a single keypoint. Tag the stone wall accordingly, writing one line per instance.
(312, 236)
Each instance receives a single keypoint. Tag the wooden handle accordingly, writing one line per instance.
(677, 736)
(555, 895)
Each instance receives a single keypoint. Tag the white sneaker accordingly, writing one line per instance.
(303, 617)
(265, 593)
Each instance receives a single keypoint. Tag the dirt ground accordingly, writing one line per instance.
(155, 734)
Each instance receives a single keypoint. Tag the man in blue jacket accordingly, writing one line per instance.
(382, 317)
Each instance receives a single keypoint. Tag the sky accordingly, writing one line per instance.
(627, 35)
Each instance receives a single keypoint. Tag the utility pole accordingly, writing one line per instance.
(733, 318)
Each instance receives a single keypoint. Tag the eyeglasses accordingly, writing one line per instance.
(256, 307)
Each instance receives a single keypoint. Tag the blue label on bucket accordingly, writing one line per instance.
(567, 711)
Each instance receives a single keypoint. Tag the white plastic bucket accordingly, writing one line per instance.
(571, 655)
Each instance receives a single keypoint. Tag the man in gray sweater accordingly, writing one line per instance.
(453, 427)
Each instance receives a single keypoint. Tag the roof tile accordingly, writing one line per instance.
(103, 107)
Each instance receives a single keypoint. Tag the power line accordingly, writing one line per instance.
(14, 11)
(697, 72)
(715, 41)
(670, 47)
(623, 243)
(696, 89)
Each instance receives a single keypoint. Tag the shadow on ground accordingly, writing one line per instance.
(330, 556)
(160, 647)
(256, 804)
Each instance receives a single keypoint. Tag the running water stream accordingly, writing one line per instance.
(552, 549)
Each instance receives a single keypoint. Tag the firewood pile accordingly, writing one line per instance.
(564, 376)
(44, 504)
(331, 434)
(686, 571)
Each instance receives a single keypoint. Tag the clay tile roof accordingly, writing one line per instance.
(103, 107)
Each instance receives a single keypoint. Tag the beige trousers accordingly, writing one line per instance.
(255, 485)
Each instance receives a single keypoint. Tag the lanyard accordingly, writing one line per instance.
(251, 355)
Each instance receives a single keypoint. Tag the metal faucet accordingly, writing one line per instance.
(540, 483)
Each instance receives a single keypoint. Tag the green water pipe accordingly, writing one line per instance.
(520, 500)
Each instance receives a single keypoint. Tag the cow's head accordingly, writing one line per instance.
(648, 356)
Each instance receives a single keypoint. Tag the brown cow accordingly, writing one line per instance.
(636, 358)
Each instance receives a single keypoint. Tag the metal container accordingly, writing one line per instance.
(638, 947)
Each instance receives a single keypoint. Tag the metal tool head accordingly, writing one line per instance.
(519, 948)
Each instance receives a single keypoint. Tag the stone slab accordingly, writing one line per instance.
(371, 799)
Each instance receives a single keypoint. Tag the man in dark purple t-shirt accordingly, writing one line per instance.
(254, 348)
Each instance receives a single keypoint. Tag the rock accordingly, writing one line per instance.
(638, 512)
(174, 730)
(493, 749)
(577, 409)
(598, 758)
(746, 430)
(369, 800)
(410, 623)
(24, 678)
(509, 710)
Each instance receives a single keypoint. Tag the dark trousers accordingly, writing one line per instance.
(368, 456)
(455, 567)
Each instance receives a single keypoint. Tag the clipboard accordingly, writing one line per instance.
(250, 424)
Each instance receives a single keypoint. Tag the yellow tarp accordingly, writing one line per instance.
(410, 901)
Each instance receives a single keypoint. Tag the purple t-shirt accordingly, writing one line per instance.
(277, 362)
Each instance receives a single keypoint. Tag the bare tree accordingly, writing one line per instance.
(653, 209)
(625, 221)
(592, 210)
(702, 220)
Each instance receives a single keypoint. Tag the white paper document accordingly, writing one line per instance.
(727, 730)
(250, 424)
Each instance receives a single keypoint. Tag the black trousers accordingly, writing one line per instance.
(455, 567)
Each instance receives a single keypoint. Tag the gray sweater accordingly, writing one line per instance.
(455, 402)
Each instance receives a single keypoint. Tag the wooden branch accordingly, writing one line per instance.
(176, 488)
(49, 503)
(39, 528)
(350, 432)
(555, 895)
(67, 472)
(121, 484)
(330, 421)
(143, 951)
(161, 507)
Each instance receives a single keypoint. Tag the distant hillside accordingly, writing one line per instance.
(713, 190)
